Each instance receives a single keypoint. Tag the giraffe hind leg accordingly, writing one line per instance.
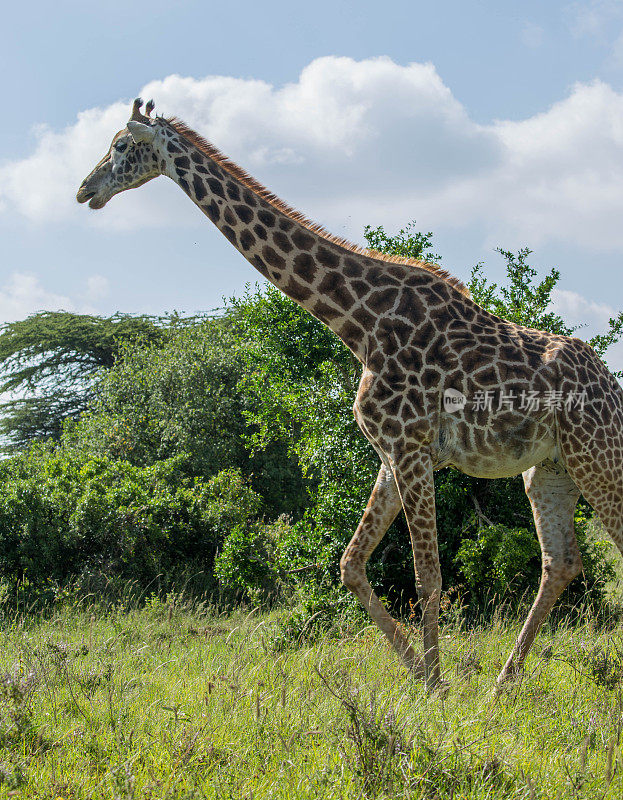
(382, 509)
(607, 504)
(414, 477)
(553, 496)
(591, 445)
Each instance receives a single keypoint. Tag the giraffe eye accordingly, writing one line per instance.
(121, 146)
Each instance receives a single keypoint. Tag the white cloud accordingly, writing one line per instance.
(345, 128)
(23, 294)
(356, 142)
(577, 310)
(39, 185)
(562, 178)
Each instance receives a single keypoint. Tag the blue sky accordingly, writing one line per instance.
(491, 123)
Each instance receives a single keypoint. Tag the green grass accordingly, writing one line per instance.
(171, 703)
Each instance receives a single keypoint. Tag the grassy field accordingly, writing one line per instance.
(167, 702)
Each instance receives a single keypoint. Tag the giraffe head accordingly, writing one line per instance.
(131, 160)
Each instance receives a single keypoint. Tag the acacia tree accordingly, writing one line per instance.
(49, 363)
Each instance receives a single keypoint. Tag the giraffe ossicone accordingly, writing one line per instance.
(423, 345)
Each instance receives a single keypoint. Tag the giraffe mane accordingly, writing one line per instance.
(259, 189)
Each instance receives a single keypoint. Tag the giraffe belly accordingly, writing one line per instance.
(487, 454)
(504, 465)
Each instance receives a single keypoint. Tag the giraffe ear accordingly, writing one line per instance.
(141, 132)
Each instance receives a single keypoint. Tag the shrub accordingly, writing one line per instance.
(506, 562)
(64, 519)
(249, 563)
(499, 560)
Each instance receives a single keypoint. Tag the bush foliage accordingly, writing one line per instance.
(65, 520)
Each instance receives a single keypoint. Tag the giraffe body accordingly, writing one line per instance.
(418, 336)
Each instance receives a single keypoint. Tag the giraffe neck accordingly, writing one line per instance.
(351, 292)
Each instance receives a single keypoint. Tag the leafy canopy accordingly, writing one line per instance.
(50, 361)
(407, 243)
(184, 395)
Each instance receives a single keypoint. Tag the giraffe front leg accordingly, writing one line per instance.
(417, 489)
(383, 507)
(553, 496)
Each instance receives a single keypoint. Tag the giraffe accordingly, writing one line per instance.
(420, 338)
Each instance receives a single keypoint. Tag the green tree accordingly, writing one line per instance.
(182, 395)
(520, 301)
(526, 303)
(270, 376)
(50, 362)
(407, 243)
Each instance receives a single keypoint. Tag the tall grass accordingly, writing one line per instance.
(174, 700)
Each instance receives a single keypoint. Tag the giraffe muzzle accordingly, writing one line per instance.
(93, 189)
(90, 196)
(83, 196)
